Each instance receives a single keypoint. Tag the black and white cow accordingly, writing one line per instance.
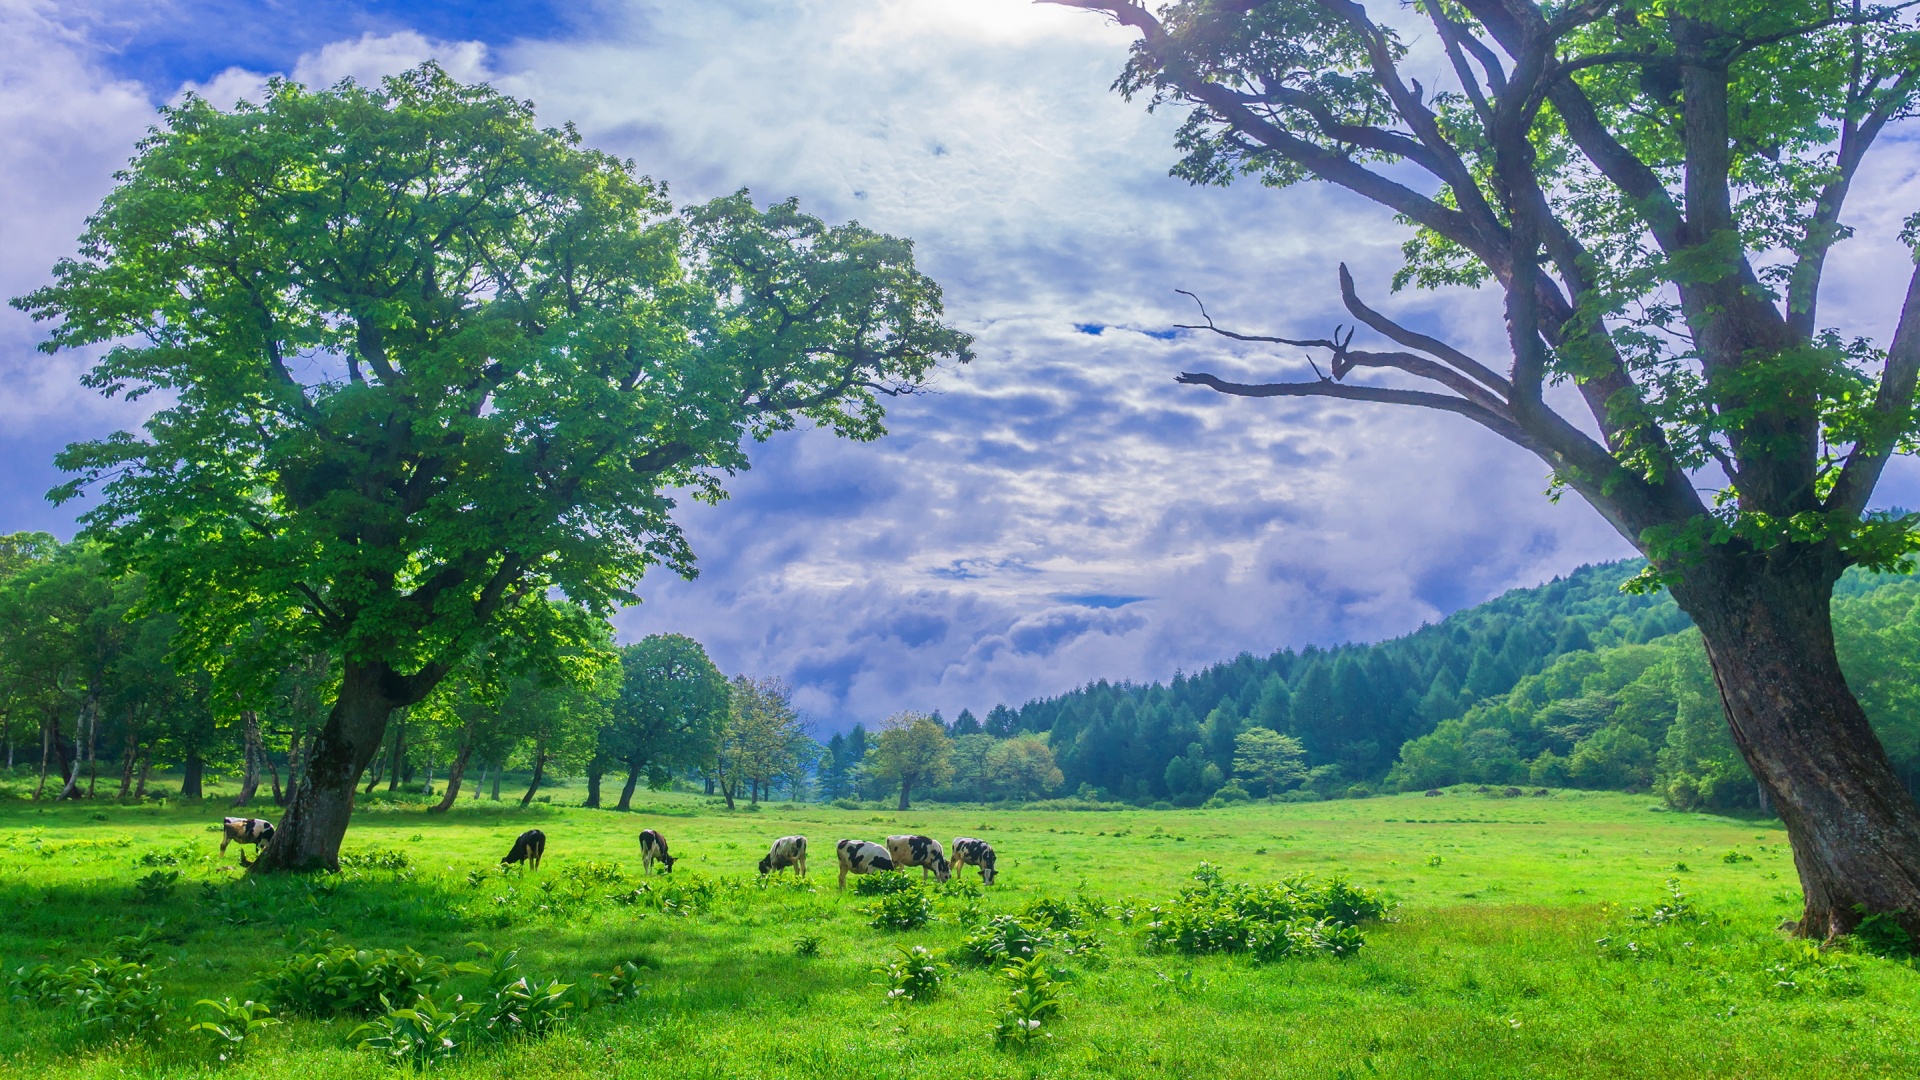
(786, 851)
(654, 846)
(968, 851)
(245, 830)
(921, 851)
(528, 848)
(861, 857)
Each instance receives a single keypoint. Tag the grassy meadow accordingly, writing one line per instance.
(1531, 937)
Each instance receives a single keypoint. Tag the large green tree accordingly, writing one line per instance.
(912, 748)
(1653, 189)
(668, 715)
(421, 360)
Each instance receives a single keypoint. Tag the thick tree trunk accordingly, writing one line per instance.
(595, 770)
(454, 773)
(69, 759)
(321, 802)
(250, 773)
(1768, 629)
(192, 772)
(539, 770)
(906, 787)
(633, 781)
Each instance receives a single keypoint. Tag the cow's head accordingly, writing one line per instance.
(986, 873)
(266, 834)
(766, 863)
(667, 861)
(942, 869)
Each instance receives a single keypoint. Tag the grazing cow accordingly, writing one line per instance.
(528, 847)
(968, 851)
(786, 851)
(861, 857)
(921, 851)
(654, 846)
(245, 830)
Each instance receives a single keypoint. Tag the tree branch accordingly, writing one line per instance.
(1891, 414)
(1500, 425)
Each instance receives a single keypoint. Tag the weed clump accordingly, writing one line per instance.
(1033, 999)
(107, 995)
(914, 976)
(1295, 917)
(910, 909)
(328, 979)
(884, 883)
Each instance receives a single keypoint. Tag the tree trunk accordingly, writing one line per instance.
(428, 789)
(633, 781)
(1768, 629)
(482, 783)
(133, 753)
(46, 754)
(250, 774)
(596, 769)
(454, 773)
(498, 768)
(399, 750)
(539, 769)
(321, 802)
(379, 767)
(273, 773)
(906, 787)
(146, 766)
(68, 757)
(93, 748)
(190, 787)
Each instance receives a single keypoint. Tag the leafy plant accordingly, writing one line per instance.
(622, 984)
(914, 976)
(516, 1005)
(376, 859)
(1005, 937)
(1033, 999)
(228, 1025)
(1055, 914)
(806, 946)
(421, 1034)
(908, 910)
(113, 996)
(143, 945)
(884, 883)
(1295, 917)
(1881, 934)
(341, 979)
(156, 886)
(595, 873)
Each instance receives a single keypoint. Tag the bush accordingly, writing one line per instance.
(622, 984)
(228, 1025)
(1229, 795)
(1032, 1000)
(915, 975)
(421, 1034)
(1054, 914)
(517, 1006)
(336, 979)
(908, 910)
(1268, 922)
(884, 882)
(156, 886)
(107, 995)
(376, 859)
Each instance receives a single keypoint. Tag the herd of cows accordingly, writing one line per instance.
(856, 856)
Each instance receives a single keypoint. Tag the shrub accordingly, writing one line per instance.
(622, 984)
(1002, 938)
(595, 873)
(228, 1025)
(376, 859)
(909, 910)
(1881, 934)
(1268, 922)
(156, 886)
(341, 979)
(806, 946)
(421, 1034)
(1054, 914)
(1033, 999)
(106, 995)
(915, 975)
(681, 895)
(884, 882)
(516, 1006)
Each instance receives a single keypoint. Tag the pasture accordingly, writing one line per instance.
(1532, 937)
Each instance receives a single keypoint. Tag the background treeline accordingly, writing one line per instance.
(1573, 683)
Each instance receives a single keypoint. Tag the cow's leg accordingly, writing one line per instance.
(224, 841)
(843, 877)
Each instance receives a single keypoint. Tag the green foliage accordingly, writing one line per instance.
(908, 909)
(154, 887)
(228, 1024)
(1033, 1001)
(331, 979)
(376, 859)
(107, 996)
(884, 882)
(806, 946)
(1270, 922)
(621, 985)
(1881, 934)
(915, 975)
(423, 1034)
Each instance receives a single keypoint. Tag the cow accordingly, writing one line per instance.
(861, 857)
(255, 831)
(921, 851)
(968, 851)
(786, 851)
(528, 847)
(654, 846)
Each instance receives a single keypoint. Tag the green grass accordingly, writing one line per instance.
(1490, 966)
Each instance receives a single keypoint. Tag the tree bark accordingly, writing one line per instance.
(633, 781)
(321, 802)
(146, 766)
(93, 746)
(273, 773)
(1768, 628)
(454, 773)
(498, 768)
(68, 756)
(906, 786)
(539, 770)
(250, 773)
(46, 754)
(399, 750)
(132, 753)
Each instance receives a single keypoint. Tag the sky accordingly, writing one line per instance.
(1056, 512)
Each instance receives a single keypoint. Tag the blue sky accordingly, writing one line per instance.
(1056, 512)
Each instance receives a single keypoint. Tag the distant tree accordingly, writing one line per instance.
(964, 724)
(972, 778)
(1023, 768)
(424, 361)
(1001, 722)
(912, 748)
(672, 703)
(760, 740)
(1266, 761)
